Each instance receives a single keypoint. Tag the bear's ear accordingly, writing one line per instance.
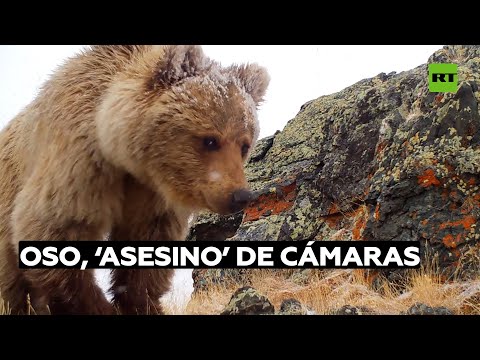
(253, 78)
(179, 62)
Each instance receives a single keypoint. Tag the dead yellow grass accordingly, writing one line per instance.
(328, 290)
(324, 291)
(4, 310)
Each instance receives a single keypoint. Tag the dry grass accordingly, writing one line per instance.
(4, 309)
(324, 291)
(328, 290)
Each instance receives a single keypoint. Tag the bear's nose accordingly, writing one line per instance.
(240, 199)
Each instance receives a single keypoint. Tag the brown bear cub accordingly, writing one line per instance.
(124, 143)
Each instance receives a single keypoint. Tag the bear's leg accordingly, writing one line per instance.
(54, 211)
(137, 291)
(63, 291)
(68, 192)
(68, 292)
(14, 288)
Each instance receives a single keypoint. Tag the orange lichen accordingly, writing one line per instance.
(451, 242)
(271, 203)
(381, 146)
(376, 214)
(466, 222)
(379, 151)
(448, 240)
(360, 216)
(334, 209)
(428, 178)
(358, 228)
(333, 220)
(457, 254)
(424, 222)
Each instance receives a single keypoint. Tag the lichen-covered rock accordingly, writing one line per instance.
(422, 309)
(353, 310)
(247, 301)
(203, 278)
(383, 159)
(292, 307)
(213, 227)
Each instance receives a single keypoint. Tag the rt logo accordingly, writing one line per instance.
(442, 77)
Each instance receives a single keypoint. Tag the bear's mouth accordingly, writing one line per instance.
(215, 207)
(208, 204)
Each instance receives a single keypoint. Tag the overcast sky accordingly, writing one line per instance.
(299, 73)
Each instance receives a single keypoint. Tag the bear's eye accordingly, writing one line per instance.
(245, 148)
(211, 143)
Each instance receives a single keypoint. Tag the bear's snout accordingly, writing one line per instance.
(240, 199)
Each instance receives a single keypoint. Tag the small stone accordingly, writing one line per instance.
(292, 307)
(353, 310)
(423, 309)
(247, 301)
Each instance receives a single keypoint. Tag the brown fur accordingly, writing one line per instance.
(113, 146)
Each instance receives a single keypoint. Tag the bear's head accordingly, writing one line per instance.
(183, 125)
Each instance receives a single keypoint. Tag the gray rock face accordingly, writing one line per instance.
(383, 159)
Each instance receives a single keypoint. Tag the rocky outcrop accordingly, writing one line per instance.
(383, 159)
